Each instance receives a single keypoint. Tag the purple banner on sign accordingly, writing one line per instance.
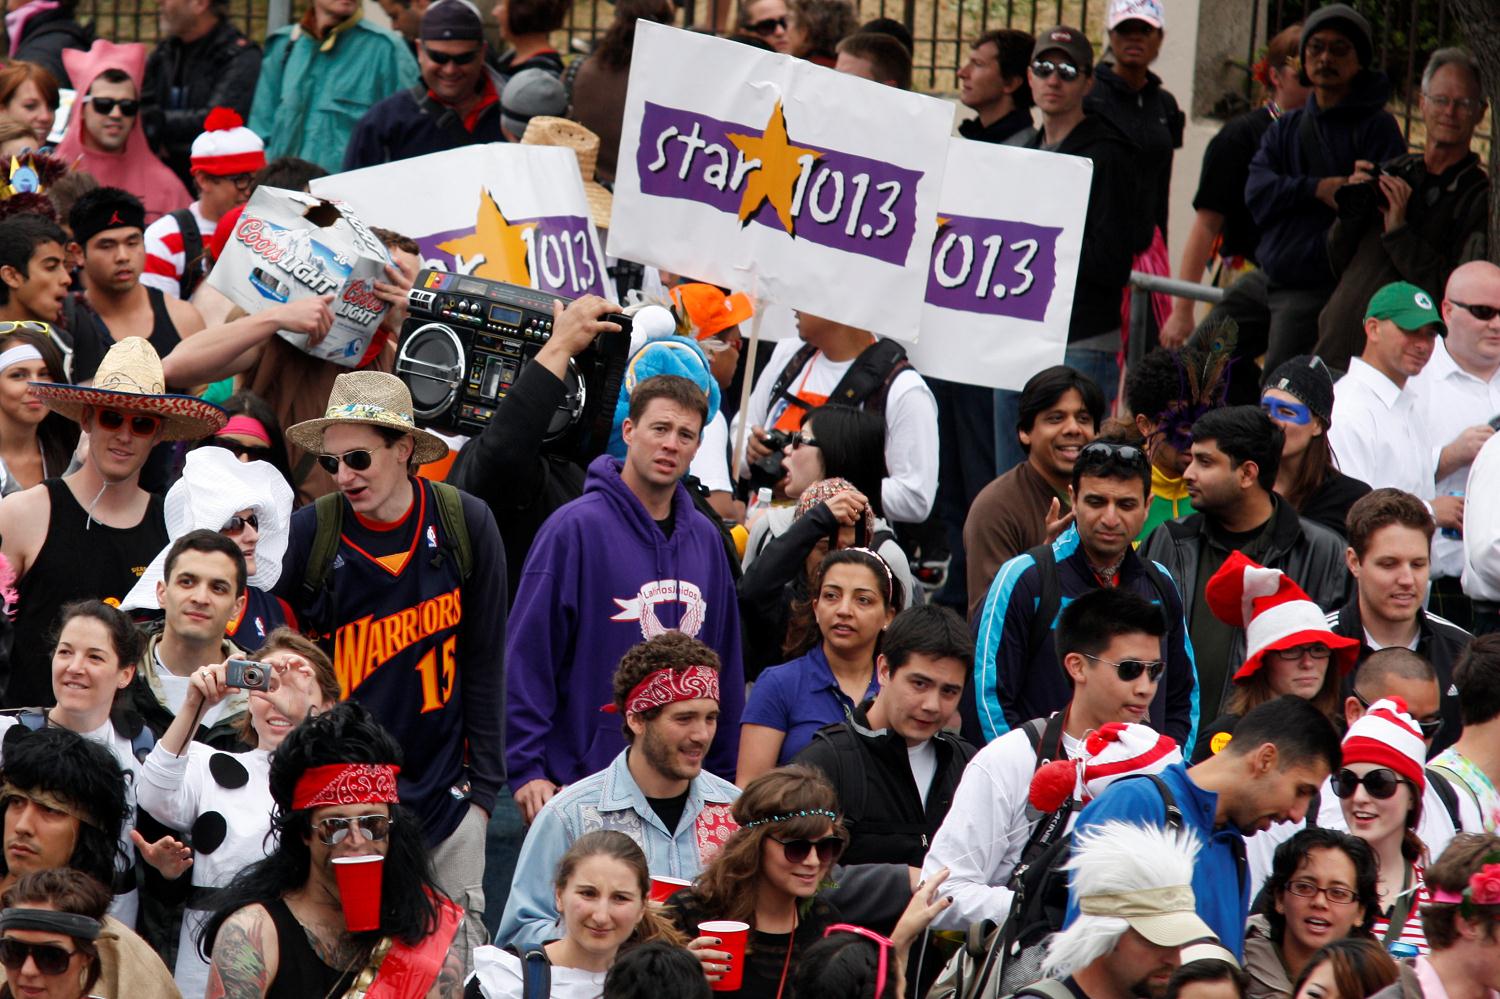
(559, 256)
(840, 200)
(993, 266)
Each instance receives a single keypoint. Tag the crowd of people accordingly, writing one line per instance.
(1178, 680)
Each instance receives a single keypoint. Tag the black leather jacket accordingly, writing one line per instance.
(184, 82)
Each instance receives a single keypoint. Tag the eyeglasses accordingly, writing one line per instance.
(1315, 650)
(829, 848)
(885, 945)
(803, 439)
(1380, 782)
(1337, 894)
(1429, 726)
(333, 831)
(359, 460)
(1044, 68)
(141, 424)
(1483, 313)
(457, 58)
(1468, 105)
(1285, 411)
(1131, 669)
(106, 105)
(768, 25)
(1337, 48)
(236, 525)
(242, 181)
(50, 959)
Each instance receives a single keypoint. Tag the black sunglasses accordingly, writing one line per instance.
(1483, 313)
(1381, 783)
(1131, 669)
(252, 451)
(768, 25)
(457, 58)
(358, 460)
(105, 105)
(803, 439)
(335, 830)
(829, 848)
(236, 525)
(1043, 68)
(50, 959)
(141, 425)
(1429, 726)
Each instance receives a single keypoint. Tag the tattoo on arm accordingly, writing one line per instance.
(450, 979)
(238, 969)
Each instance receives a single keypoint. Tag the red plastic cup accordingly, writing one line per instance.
(663, 888)
(732, 936)
(359, 881)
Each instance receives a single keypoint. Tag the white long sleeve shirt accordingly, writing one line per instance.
(1482, 525)
(987, 827)
(1378, 434)
(1450, 400)
(911, 427)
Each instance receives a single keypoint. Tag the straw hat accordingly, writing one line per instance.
(547, 131)
(375, 399)
(215, 485)
(130, 379)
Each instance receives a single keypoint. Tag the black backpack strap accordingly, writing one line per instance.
(330, 518)
(1447, 794)
(783, 382)
(1048, 604)
(192, 252)
(868, 380)
(536, 972)
(450, 506)
(1047, 988)
(1175, 821)
(1045, 736)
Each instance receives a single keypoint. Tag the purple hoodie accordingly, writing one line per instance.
(601, 577)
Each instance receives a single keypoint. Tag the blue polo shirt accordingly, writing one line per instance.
(799, 698)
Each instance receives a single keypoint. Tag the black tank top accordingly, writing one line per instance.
(74, 564)
(300, 973)
(90, 345)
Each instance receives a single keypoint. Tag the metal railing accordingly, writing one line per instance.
(1142, 285)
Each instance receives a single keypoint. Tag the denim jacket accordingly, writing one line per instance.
(611, 799)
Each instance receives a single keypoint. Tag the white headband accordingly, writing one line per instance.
(18, 355)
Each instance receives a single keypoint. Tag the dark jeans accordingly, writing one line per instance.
(1102, 366)
(966, 464)
(502, 846)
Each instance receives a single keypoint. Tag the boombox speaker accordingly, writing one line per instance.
(464, 343)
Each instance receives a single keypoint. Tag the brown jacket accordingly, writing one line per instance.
(129, 968)
(1007, 517)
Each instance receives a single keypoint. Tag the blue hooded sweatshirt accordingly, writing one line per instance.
(601, 578)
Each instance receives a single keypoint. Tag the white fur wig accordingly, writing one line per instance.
(1116, 858)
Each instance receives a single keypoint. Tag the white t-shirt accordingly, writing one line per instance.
(711, 463)
(923, 760)
(175, 689)
(500, 977)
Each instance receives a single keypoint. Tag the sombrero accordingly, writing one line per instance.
(375, 399)
(215, 485)
(544, 130)
(130, 378)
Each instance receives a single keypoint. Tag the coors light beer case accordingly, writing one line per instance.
(289, 245)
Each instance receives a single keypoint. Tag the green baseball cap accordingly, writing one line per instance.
(1406, 305)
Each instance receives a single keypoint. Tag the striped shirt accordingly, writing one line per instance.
(1411, 930)
(166, 260)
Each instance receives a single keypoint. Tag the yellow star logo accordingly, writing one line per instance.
(777, 171)
(499, 245)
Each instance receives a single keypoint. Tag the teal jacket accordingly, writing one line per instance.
(311, 93)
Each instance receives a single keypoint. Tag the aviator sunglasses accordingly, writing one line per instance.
(359, 460)
(1044, 68)
(334, 831)
(236, 525)
(1131, 669)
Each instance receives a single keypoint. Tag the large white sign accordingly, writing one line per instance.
(505, 211)
(999, 289)
(809, 188)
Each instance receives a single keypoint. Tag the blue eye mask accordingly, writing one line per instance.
(1286, 412)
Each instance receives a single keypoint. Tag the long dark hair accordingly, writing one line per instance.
(253, 406)
(56, 434)
(1316, 468)
(1290, 856)
(853, 445)
(802, 631)
(62, 890)
(345, 734)
(82, 773)
(619, 38)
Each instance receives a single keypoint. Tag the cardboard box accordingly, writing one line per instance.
(288, 245)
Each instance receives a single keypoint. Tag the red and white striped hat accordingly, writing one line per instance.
(1387, 736)
(1273, 610)
(226, 147)
(1110, 752)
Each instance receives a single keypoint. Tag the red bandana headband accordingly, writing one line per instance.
(346, 784)
(668, 686)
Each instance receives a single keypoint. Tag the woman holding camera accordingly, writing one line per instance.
(224, 799)
(838, 634)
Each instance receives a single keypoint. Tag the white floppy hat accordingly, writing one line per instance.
(215, 485)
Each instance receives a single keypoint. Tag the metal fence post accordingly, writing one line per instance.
(278, 14)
